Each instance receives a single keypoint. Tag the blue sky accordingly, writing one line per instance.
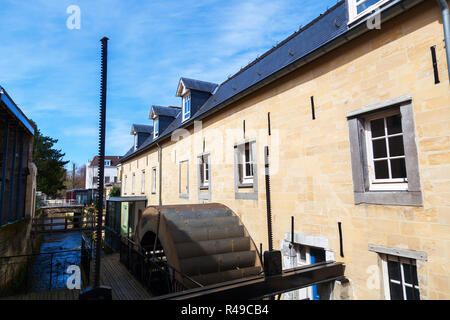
(53, 73)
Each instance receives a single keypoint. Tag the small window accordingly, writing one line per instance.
(186, 107)
(107, 163)
(204, 170)
(132, 182)
(246, 184)
(143, 182)
(184, 179)
(386, 152)
(246, 169)
(204, 176)
(107, 179)
(125, 184)
(153, 180)
(385, 166)
(155, 128)
(400, 277)
(359, 8)
(95, 180)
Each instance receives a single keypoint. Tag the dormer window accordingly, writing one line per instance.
(155, 127)
(107, 163)
(186, 107)
(359, 8)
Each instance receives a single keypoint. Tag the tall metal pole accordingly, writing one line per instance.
(268, 201)
(101, 165)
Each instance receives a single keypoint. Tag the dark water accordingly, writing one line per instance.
(57, 253)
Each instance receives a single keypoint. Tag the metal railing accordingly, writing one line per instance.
(63, 223)
(60, 202)
(22, 274)
(152, 270)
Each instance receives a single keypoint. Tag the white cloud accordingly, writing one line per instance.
(52, 73)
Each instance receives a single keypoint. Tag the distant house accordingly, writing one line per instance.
(111, 163)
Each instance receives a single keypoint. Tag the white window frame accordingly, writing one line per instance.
(247, 177)
(393, 184)
(186, 115)
(242, 182)
(155, 127)
(353, 11)
(204, 169)
(154, 180)
(358, 153)
(143, 182)
(107, 163)
(386, 280)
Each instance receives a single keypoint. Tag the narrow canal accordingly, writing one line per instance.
(58, 251)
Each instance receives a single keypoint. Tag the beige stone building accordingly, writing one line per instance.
(354, 110)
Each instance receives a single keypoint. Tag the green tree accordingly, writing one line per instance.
(50, 164)
(115, 192)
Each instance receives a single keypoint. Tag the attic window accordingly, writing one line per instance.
(107, 163)
(155, 127)
(186, 107)
(359, 8)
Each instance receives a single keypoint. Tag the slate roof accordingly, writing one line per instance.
(327, 27)
(129, 152)
(9, 104)
(165, 111)
(139, 128)
(199, 85)
(318, 32)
